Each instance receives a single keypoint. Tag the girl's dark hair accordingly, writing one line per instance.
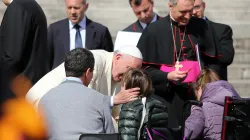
(138, 78)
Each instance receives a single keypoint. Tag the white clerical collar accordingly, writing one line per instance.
(144, 25)
(73, 79)
(82, 24)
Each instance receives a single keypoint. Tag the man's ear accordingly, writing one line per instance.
(204, 5)
(170, 6)
(88, 73)
(86, 6)
(118, 56)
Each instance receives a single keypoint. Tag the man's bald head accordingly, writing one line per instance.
(125, 58)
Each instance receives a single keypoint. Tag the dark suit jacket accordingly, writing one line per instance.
(97, 37)
(136, 26)
(224, 43)
(23, 40)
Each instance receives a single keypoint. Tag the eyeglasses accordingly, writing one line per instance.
(197, 7)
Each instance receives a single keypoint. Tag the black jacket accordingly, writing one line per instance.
(23, 40)
(136, 26)
(131, 114)
(224, 43)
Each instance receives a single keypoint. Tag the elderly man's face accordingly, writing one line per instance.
(199, 8)
(122, 63)
(182, 11)
(144, 12)
(76, 10)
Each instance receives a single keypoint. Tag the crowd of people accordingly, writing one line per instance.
(71, 81)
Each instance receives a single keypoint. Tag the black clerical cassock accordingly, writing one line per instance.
(23, 40)
(157, 47)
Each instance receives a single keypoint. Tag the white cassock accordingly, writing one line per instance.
(102, 76)
(101, 81)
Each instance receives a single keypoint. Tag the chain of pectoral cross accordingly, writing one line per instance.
(177, 63)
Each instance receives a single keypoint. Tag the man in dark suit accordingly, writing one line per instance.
(23, 40)
(224, 42)
(143, 10)
(76, 31)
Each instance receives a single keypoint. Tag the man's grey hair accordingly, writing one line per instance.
(173, 2)
(131, 52)
(84, 1)
(118, 52)
(121, 53)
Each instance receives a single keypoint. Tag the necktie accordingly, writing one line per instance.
(78, 39)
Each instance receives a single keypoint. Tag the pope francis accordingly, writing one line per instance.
(108, 72)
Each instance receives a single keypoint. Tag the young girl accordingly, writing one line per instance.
(131, 114)
(206, 122)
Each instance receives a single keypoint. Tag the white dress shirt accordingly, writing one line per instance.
(72, 33)
(144, 25)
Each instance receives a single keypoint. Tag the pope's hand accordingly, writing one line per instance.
(126, 95)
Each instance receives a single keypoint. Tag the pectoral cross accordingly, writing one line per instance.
(178, 65)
